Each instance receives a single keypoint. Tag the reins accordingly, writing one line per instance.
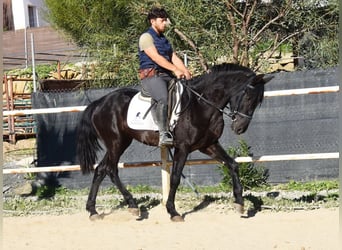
(231, 114)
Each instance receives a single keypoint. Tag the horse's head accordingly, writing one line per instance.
(244, 103)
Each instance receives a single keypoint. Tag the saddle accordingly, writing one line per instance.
(139, 115)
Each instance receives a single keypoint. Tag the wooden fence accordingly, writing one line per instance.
(165, 163)
(17, 96)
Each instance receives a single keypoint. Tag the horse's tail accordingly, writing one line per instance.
(87, 141)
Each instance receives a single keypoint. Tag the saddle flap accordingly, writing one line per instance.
(139, 115)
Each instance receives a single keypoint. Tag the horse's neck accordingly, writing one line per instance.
(217, 94)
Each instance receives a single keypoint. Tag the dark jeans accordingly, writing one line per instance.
(156, 86)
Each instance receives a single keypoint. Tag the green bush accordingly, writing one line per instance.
(251, 175)
(42, 70)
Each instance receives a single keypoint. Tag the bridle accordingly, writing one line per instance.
(233, 112)
(236, 111)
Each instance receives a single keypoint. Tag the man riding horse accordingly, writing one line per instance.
(158, 65)
(199, 127)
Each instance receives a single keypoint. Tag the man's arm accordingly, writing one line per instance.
(180, 65)
(152, 53)
(176, 65)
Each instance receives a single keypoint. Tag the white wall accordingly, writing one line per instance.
(21, 16)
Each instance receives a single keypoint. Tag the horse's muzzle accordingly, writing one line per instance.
(239, 126)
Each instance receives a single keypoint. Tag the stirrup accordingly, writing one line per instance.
(165, 139)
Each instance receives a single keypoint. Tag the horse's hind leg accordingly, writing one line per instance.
(99, 175)
(112, 170)
(107, 166)
(114, 176)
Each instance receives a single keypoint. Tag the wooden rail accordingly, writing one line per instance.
(319, 90)
(165, 163)
(265, 158)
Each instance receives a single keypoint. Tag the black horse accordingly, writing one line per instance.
(199, 127)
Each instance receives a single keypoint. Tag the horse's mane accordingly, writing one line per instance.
(233, 76)
(230, 67)
(220, 69)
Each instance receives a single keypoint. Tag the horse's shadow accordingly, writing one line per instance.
(144, 203)
(207, 200)
(256, 206)
(147, 204)
(251, 212)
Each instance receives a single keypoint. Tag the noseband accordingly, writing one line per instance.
(232, 114)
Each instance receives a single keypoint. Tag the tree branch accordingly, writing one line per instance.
(231, 6)
(280, 15)
(251, 12)
(280, 43)
(263, 28)
(236, 40)
(191, 43)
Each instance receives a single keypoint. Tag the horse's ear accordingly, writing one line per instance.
(267, 78)
(262, 78)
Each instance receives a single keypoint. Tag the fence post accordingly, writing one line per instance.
(8, 81)
(33, 64)
(165, 172)
(59, 70)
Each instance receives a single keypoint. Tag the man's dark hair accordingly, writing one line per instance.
(157, 12)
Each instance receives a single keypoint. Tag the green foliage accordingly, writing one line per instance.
(109, 30)
(90, 23)
(139, 189)
(104, 29)
(317, 39)
(251, 176)
(42, 70)
(312, 186)
(45, 192)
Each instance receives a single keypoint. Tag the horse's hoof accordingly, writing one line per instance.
(95, 217)
(134, 211)
(177, 218)
(239, 208)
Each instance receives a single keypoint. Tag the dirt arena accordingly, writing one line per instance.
(210, 228)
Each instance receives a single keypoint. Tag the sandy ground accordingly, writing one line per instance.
(204, 229)
(211, 228)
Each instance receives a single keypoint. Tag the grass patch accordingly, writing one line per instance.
(310, 186)
(61, 200)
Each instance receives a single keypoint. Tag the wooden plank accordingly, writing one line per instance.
(287, 92)
(265, 158)
(304, 91)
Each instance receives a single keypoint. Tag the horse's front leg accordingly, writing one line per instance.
(218, 153)
(177, 169)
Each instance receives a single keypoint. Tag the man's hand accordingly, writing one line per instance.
(178, 73)
(182, 74)
(187, 75)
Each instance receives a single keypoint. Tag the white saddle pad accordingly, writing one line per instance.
(138, 107)
(137, 110)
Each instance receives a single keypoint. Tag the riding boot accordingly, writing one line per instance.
(160, 117)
